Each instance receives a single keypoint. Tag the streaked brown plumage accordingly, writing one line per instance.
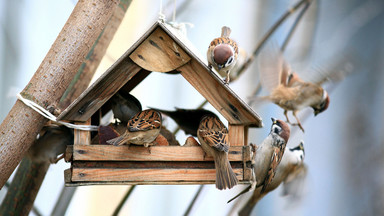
(270, 152)
(142, 129)
(213, 137)
(222, 53)
(187, 119)
(286, 88)
(291, 172)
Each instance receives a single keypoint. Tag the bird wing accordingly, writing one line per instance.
(272, 67)
(146, 120)
(277, 155)
(214, 133)
(294, 183)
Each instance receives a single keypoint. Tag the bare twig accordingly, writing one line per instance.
(193, 201)
(125, 198)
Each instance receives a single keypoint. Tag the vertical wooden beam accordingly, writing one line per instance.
(82, 137)
(238, 135)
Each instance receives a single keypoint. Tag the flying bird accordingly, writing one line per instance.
(287, 89)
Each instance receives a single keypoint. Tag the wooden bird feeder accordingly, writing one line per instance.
(160, 49)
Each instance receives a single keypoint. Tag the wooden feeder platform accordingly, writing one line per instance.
(160, 49)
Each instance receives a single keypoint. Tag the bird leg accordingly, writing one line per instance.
(286, 116)
(298, 122)
(226, 80)
(54, 161)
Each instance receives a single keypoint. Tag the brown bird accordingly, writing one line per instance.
(270, 152)
(142, 129)
(187, 119)
(125, 106)
(287, 89)
(222, 53)
(213, 137)
(51, 144)
(291, 172)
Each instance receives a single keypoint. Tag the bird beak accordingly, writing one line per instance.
(220, 66)
(273, 120)
(316, 112)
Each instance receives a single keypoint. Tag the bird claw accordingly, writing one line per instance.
(298, 124)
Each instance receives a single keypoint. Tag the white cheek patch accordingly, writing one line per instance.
(325, 94)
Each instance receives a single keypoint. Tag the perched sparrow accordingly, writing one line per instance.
(291, 172)
(270, 152)
(222, 53)
(125, 106)
(142, 129)
(286, 88)
(187, 119)
(51, 144)
(213, 137)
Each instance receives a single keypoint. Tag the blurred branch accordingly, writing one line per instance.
(294, 26)
(24, 187)
(125, 198)
(193, 201)
(62, 203)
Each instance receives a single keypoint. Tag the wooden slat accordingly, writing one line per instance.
(159, 53)
(238, 135)
(100, 91)
(82, 136)
(87, 183)
(142, 175)
(154, 153)
(219, 95)
(68, 155)
(67, 175)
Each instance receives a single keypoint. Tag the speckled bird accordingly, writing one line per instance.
(213, 137)
(222, 53)
(142, 129)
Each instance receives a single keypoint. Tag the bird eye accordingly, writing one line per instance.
(230, 60)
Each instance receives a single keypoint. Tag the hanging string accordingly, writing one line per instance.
(53, 118)
(161, 15)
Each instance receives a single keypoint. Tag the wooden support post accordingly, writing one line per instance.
(22, 124)
(238, 135)
(82, 137)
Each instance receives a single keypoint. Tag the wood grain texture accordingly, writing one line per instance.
(159, 53)
(238, 135)
(100, 91)
(88, 183)
(142, 175)
(92, 60)
(21, 126)
(219, 95)
(154, 153)
(82, 136)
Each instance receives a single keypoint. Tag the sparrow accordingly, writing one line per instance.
(187, 119)
(291, 172)
(213, 137)
(222, 53)
(125, 106)
(287, 89)
(142, 129)
(270, 152)
(51, 144)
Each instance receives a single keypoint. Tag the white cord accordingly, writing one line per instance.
(53, 118)
(161, 15)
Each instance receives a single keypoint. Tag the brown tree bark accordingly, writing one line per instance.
(19, 129)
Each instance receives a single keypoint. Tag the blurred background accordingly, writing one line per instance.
(344, 145)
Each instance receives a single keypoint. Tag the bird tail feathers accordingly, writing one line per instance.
(225, 177)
